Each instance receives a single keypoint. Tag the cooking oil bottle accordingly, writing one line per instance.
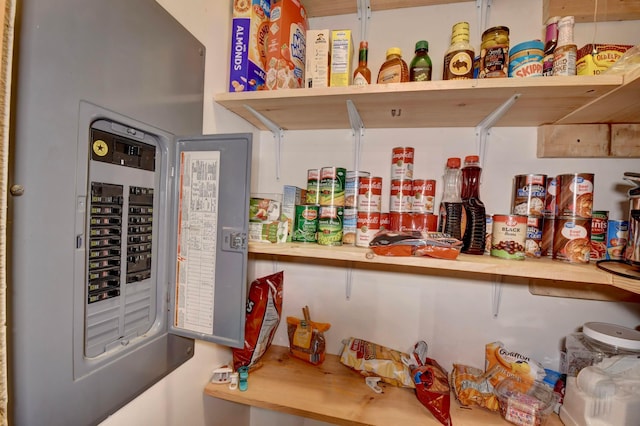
(394, 69)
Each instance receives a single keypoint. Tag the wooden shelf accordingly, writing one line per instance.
(316, 8)
(461, 103)
(334, 393)
(582, 10)
(487, 266)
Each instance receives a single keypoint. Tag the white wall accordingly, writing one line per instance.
(453, 314)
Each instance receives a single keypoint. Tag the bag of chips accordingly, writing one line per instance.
(264, 310)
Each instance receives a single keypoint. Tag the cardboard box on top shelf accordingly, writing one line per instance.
(250, 26)
(341, 58)
(590, 63)
(286, 45)
(316, 73)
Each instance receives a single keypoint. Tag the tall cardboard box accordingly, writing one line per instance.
(316, 73)
(341, 57)
(250, 26)
(286, 45)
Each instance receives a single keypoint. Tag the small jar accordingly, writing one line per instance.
(494, 53)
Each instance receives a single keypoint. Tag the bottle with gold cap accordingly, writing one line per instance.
(458, 60)
(394, 69)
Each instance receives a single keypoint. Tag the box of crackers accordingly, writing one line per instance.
(250, 26)
(286, 45)
(594, 59)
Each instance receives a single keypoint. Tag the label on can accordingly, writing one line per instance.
(548, 233)
(370, 194)
(385, 221)
(424, 222)
(508, 236)
(529, 193)
(349, 226)
(402, 163)
(571, 241)
(533, 242)
(617, 238)
(330, 223)
(352, 182)
(424, 192)
(400, 221)
(599, 223)
(400, 195)
(575, 194)
(368, 226)
(550, 207)
(332, 181)
(305, 224)
(313, 186)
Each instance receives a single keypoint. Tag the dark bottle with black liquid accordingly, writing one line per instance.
(451, 215)
(473, 237)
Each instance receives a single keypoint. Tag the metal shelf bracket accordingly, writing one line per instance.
(496, 296)
(357, 127)
(484, 11)
(484, 127)
(278, 134)
(364, 15)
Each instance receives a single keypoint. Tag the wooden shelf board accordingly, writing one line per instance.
(336, 394)
(316, 8)
(543, 269)
(582, 10)
(462, 103)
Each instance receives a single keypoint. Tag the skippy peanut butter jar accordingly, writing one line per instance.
(286, 45)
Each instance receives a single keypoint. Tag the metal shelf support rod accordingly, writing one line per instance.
(278, 134)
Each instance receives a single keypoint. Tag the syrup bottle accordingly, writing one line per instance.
(394, 69)
(473, 236)
(451, 213)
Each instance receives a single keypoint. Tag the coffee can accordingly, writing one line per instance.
(424, 194)
(575, 194)
(508, 236)
(617, 238)
(572, 242)
(402, 162)
(529, 194)
(599, 224)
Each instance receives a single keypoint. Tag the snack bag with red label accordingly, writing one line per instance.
(432, 389)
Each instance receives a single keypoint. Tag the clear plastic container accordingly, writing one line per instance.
(530, 407)
(596, 342)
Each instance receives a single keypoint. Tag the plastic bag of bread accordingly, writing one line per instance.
(373, 360)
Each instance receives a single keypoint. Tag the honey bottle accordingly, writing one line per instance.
(394, 69)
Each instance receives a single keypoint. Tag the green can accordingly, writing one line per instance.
(305, 226)
(330, 222)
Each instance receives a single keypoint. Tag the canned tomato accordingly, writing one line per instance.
(424, 194)
(400, 221)
(313, 186)
(529, 193)
(599, 223)
(548, 233)
(525, 59)
(424, 222)
(402, 163)
(330, 222)
(332, 182)
(400, 196)
(533, 242)
(368, 226)
(351, 185)
(369, 194)
(571, 242)
(575, 194)
(508, 236)
(349, 226)
(305, 224)
(617, 238)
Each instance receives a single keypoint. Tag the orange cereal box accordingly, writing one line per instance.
(250, 26)
(286, 45)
